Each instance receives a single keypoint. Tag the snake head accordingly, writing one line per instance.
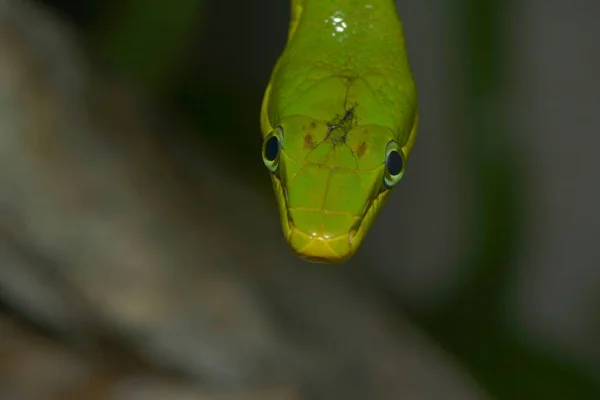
(330, 181)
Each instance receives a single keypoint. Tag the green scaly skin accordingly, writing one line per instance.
(340, 98)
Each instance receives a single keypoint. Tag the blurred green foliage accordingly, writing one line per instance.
(151, 42)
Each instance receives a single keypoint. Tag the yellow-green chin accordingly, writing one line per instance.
(317, 246)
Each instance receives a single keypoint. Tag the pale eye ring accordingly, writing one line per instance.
(271, 149)
(394, 164)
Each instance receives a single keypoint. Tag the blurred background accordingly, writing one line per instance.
(140, 248)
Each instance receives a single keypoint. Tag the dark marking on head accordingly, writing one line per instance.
(341, 125)
(337, 135)
(313, 125)
(349, 120)
(350, 79)
(308, 141)
(348, 116)
(361, 149)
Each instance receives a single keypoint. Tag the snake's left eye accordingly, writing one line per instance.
(272, 148)
(394, 164)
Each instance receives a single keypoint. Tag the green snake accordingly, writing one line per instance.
(339, 119)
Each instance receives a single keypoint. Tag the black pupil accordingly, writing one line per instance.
(394, 163)
(272, 148)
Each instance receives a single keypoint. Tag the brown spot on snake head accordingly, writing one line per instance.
(308, 142)
(361, 149)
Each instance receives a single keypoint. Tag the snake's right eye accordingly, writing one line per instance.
(272, 148)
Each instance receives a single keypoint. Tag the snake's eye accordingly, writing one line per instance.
(272, 148)
(394, 164)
